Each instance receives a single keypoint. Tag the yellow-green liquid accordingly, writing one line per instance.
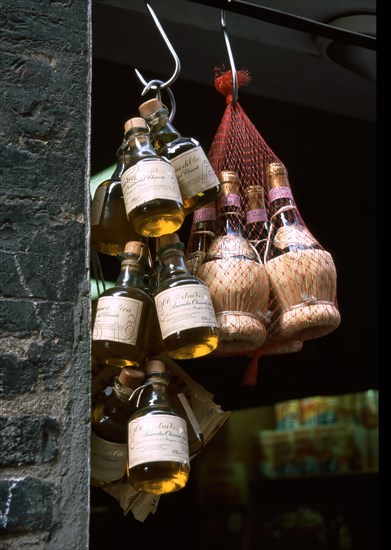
(192, 343)
(159, 478)
(114, 229)
(157, 217)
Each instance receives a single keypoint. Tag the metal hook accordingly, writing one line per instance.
(154, 84)
(231, 59)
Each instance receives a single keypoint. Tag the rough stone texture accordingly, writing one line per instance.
(44, 270)
(26, 505)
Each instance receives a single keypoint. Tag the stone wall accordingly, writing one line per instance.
(44, 274)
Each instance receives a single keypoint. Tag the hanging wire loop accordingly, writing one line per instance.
(231, 59)
(154, 84)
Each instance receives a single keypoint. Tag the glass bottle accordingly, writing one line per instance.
(123, 321)
(197, 180)
(110, 227)
(184, 306)
(257, 221)
(158, 449)
(202, 232)
(289, 233)
(235, 276)
(151, 192)
(109, 428)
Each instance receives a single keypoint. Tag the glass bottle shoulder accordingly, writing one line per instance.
(127, 292)
(180, 279)
(176, 147)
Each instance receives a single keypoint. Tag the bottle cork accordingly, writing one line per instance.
(137, 248)
(164, 240)
(154, 365)
(149, 107)
(131, 378)
(135, 122)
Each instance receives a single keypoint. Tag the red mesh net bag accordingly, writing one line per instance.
(272, 284)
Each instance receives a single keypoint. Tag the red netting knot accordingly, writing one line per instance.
(223, 81)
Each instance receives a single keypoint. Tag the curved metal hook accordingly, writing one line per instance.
(231, 59)
(154, 84)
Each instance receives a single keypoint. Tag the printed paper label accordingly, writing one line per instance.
(257, 215)
(204, 214)
(229, 200)
(117, 319)
(157, 437)
(147, 181)
(280, 193)
(108, 460)
(194, 172)
(184, 307)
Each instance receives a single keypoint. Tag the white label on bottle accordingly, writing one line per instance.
(293, 235)
(108, 460)
(257, 215)
(157, 437)
(97, 205)
(184, 307)
(194, 172)
(117, 319)
(149, 180)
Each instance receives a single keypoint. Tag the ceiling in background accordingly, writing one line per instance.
(285, 64)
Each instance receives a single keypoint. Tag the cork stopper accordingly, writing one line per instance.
(132, 378)
(229, 182)
(164, 240)
(136, 122)
(154, 365)
(277, 175)
(137, 248)
(255, 197)
(150, 106)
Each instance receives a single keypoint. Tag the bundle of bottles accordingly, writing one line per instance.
(240, 283)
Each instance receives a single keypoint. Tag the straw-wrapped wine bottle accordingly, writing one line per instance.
(236, 278)
(302, 274)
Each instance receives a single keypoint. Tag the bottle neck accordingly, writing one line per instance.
(172, 262)
(131, 274)
(122, 392)
(154, 394)
(139, 146)
(162, 131)
(282, 207)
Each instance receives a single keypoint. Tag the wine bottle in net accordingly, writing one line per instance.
(197, 181)
(109, 428)
(110, 227)
(302, 274)
(257, 233)
(183, 303)
(202, 232)
(235, 276)
(124, 317)
(150, 188)
(158, 447)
